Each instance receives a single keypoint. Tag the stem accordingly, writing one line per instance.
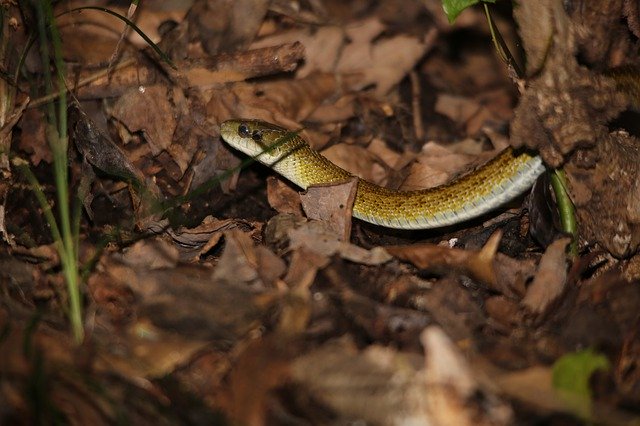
(66, 240)
(565, 208)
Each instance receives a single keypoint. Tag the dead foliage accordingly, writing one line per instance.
(219, 295)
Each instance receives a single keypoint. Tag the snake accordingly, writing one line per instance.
(501, 179)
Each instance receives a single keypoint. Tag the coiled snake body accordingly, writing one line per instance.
(496, 182)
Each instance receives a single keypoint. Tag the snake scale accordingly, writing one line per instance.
(501, 179)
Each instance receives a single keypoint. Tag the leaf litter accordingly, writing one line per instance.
(230, 297)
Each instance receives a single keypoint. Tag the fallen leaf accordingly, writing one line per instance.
(317, 237)
(451, 386)
(282, 198)
(152, 254)
(261, 367)
(378, 385)
(149, 111)
(550, 280)
(358, 161)
(478, 264)
(32, 137)
(194, 242)
(146, 351)
(322, 47)
(381, 62)
(332, 204)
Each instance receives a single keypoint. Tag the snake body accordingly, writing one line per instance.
(503, 178)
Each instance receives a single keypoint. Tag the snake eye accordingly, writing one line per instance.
(243, 131)
(256, 135)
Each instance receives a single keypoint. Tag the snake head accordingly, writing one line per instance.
(265, 141)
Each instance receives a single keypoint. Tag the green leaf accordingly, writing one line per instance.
(571, 374)
(452, 8)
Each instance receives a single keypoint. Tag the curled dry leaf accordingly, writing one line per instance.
(282, 102)
(512, 275)
(282, 197)
(478, 264)
(194, 301)
(149, 111)
(226, 25)
(304, 266)
(378, 385)
(332, 204)
(154, 253)
(32, 137)
(194, 242)
(451, 386)
(434, 166)
(534, 386)
(146, 351)
(319, 238)
(261, 367)
(239, 261)
(382, 386)
(549, 282)
(358, 53)
(449, 303)
(322, 47)
(241, 65)
(357, 160)
(382, 62)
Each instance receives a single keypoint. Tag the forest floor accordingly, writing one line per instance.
(212, 291)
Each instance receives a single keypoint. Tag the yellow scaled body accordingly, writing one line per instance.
(498, 181)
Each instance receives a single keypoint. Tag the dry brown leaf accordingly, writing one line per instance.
(149, 111)
(262, 366)
(434, 166)
(282, 102)
(391, 158)
(226, 25)
(512, 275)
(382, 386)
(32, 137)
(317, 237)
(537, 33)
(451, 386)
(550, 280)
(503, 310)
(304, 266)
(68, 389)
(377, 385)
(194, 242)
(154, 253)
(474, 114)
(533, 385)
(382, 62)
(196, 302)
(239, 261)
(104, 25)
(146, 351)
(356, 52)
(452, 306)
(335, 112)
(322, 46)
(270, 267)
(282, 198)
(358, 161)
(478, 264)
(332, 204)
(459, 109)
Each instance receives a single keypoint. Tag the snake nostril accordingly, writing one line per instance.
(243, 131)
(256, 135)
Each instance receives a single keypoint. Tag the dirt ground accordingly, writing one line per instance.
(214, 291)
